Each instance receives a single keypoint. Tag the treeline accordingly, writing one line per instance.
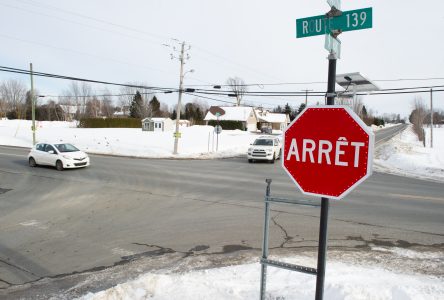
(80, 101)
(357, 106)
(421, 116)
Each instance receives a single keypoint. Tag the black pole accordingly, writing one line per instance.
(323, 226)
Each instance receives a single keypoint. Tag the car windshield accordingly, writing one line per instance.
(66, 148)
(263, 142)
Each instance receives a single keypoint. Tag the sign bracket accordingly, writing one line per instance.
(265, 262)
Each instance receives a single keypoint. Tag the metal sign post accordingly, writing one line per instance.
(315, 132)
(323, 225)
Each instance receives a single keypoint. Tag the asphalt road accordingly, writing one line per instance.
(56, 224)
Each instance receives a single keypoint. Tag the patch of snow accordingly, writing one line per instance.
(196, 141)
(410, 253)
(405, 155)
(343, 282)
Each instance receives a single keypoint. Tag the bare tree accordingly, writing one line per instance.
(417, 117)
(78, 94)
(128, 92)
(357, 105)
(238, 87)
(13, 95)
(106, 104)
(3, 107)
(340, 100)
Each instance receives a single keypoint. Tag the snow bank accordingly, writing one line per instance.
(343, 282)
(196, 141)
(405, 155)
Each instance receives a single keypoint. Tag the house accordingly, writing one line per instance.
(122, 112)
(69, 112)
(244, 114)
(157, 124)
(275, 121)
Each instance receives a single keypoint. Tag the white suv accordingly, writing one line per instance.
(265, 148)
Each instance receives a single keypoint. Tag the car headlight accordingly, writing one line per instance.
(66, 157)
(269, 150)
(250, 149)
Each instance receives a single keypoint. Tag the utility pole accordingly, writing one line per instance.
(178, 109)
(306, 96)
(431, 118)
(182, 59)
(32, 105)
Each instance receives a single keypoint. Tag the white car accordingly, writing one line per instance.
(265, 148)
(62, 156)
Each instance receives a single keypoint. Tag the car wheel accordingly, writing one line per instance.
(273, 159)
(32, 162)
(250, 161)
(59, 165)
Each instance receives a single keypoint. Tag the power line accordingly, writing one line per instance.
(318, 82)
(82, 53)
(39, 5)
(198, 93)
(111, 31)
(22, 71)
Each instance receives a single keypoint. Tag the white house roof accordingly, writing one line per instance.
(266, 116)
(156, 119)
(232, 113)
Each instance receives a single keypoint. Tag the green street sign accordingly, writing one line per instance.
(349, 20)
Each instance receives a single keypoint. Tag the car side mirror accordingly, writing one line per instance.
(251, 143)
(51, 151)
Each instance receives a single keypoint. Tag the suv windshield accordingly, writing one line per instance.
(263, 142)
(66, 148)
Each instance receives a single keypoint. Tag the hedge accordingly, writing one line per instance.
(228, 125)
(110, 123)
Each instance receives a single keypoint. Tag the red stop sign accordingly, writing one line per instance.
(328, 151)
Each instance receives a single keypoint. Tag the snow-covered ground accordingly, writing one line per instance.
(196, 141)
(405, 155)
(344, 281)
(401, 155)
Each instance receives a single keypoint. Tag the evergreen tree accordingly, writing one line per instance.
(288, 110)
(301, 108)
(364, 111)
(154, 107)
(28, 106)
(136, 106)
(278, 109)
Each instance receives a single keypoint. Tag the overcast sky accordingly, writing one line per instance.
(121, 41)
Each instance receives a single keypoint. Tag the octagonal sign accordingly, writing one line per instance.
(328, 151)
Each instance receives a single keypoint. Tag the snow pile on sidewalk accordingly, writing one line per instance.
(343, 282)
(405, 155)
(196, 141)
